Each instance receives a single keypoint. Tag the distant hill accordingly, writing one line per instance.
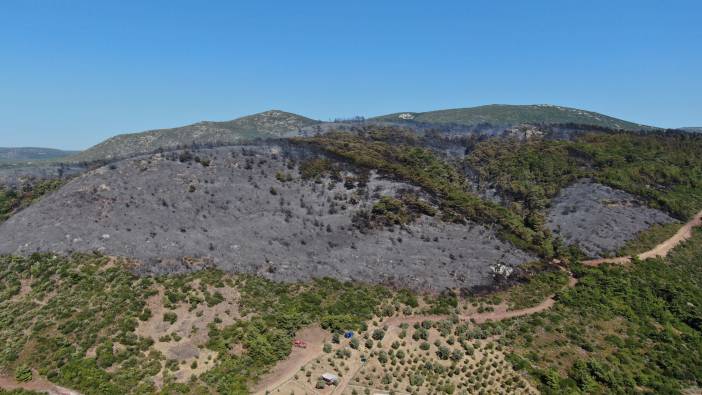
(275, 123)
(31, 154)
(501, 114)
(271, 123)
(693, 130)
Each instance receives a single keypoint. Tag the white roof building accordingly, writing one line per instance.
(330, 378)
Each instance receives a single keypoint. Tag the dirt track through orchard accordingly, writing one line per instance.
(37, 384)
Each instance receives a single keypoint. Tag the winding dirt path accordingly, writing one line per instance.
(660, 250)
(37, 384)
(499, 313)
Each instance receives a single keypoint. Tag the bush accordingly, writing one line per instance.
(443, 352)
(382, 357)
(456, 355)
(170, 317)
(23, 374)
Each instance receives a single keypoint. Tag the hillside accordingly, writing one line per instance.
(501, 114)
(269, 124)
(18, 154)
(255, 209)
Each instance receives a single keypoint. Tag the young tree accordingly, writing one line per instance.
(443, 352)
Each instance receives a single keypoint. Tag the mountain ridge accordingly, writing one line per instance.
(509, 114)
(281, 124)
(271, 123)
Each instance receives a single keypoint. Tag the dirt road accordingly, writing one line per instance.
(37, 384)
(315, 337)
(661, 250)
(499, 313)
(684, 233)
(354, 366)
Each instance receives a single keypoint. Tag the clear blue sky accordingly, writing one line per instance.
(75, 72)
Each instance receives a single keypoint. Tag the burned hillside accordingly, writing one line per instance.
(600, 219)
(265, 209)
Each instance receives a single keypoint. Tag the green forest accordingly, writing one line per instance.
(664, 168)
(619, 330)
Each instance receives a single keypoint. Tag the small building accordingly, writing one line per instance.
(330, 378)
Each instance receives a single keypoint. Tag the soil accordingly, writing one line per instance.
(191, 327)
(37, 384)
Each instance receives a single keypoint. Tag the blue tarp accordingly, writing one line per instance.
(348, 334)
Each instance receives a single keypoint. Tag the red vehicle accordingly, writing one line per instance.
(299, 343)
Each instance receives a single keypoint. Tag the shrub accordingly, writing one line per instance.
(23, 374)
(320, 384)
(170, 317)
(443, 352)
(382, 357)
